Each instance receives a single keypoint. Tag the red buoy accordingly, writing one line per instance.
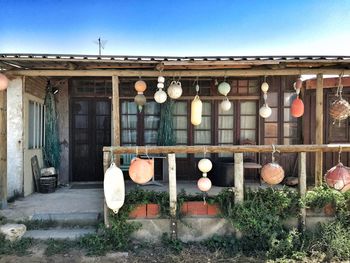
(338, 176)
(297, 108)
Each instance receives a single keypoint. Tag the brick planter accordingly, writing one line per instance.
(153, 210)
(139, 211)
(328, 211)
(191, 208)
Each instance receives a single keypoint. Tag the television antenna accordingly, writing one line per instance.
(101, 44)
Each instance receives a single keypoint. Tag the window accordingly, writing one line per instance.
(271, 123)
(203, 132)
(248, 121)
(36, 125)
(129, 123)
(225, 128)
(180, 117)
(290, 124)
(151, 122)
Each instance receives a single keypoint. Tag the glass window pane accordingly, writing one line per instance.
(181, 137)
(129, 107)
(129, 136)
(225, 136)
(290, 141)
(31, 125)
(225, 122)
(151, 122)
(206, 108)
(290, 130)
(205, 124)
(180, 122)
(273, 117)
(271, 129)
(180, 108)
(270, 141)
(248, 134)
(272, 99)
(202, 137)
(288, 116)
(103, 122)
(80, 107)
(103, 108)
(152, 108)
(129, 121)
(288, 98)
(248, 122)
(248, 107)
(81, 122)
(151, 137)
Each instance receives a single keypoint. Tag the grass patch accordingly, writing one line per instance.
(19, 247)
(60, 246)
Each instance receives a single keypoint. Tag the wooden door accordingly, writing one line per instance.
(91, 130)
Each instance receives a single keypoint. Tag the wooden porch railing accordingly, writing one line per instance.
(237, 150)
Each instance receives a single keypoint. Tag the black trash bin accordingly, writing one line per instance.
(223, 173)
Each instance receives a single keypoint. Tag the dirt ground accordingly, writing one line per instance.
(149, 255)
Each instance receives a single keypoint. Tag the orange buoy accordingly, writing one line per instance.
(297, 108)
(338, 176)
(272, 173)
(204, 184)
(141, 171)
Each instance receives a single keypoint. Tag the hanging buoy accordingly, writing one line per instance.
(272, 173)
(339, 109)
(4, 82)
(205, 165)
(140, 86)
(265, 111)
(204, 184)
(225, 105)
(224, 88)
(264, 87)
(175, 90)
(338, 176)
(114, 188)
(141, 171)
(297, 108)
(196, 111)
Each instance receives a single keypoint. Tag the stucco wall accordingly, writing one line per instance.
(15, 138)
(62, 107)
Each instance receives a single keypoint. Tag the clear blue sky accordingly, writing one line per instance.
(245, 27)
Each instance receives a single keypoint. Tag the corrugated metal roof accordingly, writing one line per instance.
(70, 61)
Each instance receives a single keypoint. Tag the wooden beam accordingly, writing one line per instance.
(319, 130)
(243, 97)
(172, 184)
(229, 149)
(239, 178)
(302, 185)
(116, 115)
(182, 73)
(328, 83)
(3, 150)
(106, 161)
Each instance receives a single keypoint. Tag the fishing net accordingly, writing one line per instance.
(51, 149)
(166, 135)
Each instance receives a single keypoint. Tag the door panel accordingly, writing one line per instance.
(91, 130)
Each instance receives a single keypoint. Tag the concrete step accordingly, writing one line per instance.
(58, 233)
(81, 218)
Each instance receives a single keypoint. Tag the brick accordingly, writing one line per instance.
(138, 212)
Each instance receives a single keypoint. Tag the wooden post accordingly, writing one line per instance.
(172, 183)
(116, 115)
(302, 185)
(319, 130)
(106, 161)
(239, 178)
(3, 151)
(172, 194)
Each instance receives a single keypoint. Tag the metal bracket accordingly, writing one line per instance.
(173, 228)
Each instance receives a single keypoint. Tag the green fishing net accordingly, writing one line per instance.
(51, 149)
(166, 135)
